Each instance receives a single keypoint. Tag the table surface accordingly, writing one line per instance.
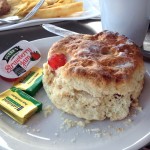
(90, 26)
(9, 38)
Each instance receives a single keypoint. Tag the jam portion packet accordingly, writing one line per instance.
(18, 59)
(19, 105)
(31, 81)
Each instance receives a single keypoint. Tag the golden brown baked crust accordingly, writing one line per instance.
(102, 77)
(104, 56)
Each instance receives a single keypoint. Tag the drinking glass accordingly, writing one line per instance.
(127, 17)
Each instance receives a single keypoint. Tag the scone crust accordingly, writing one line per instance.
(101, 58)
(106, 67)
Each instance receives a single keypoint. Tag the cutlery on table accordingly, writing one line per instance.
(57, 30)
(16, 19)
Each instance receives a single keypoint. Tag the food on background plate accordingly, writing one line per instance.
(94, 76)
(19, 105)
(4, 7)
(50, 8)
(60, 10)
(18, 59)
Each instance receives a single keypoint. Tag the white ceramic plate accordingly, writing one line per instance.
(46, 133)
(90, 10)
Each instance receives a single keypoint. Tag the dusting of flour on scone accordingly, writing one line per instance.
(94, 76)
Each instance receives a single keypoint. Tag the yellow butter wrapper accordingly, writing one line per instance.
(19, 105)
(31, 81)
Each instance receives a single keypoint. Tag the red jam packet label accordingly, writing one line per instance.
(18, 59)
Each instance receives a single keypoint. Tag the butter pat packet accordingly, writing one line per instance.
(19, 105)
(31, 81)
(18, 59)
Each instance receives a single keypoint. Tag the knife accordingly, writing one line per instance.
(64, 32)
(57, 30)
